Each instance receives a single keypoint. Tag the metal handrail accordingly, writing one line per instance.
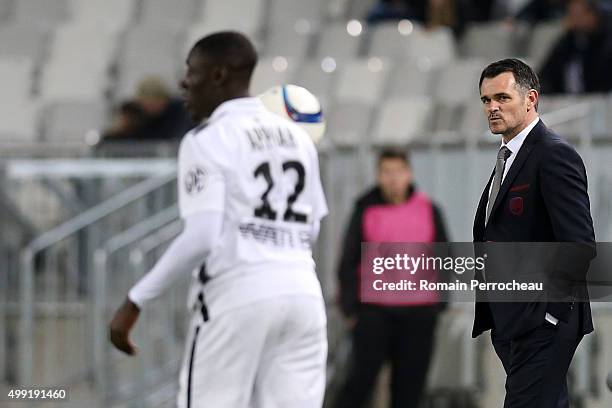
(101, 256)
(55, 235)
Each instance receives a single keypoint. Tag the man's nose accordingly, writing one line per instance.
(493, 107)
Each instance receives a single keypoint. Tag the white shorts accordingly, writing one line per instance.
(270, 353)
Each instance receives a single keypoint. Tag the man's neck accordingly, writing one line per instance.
(511, 135)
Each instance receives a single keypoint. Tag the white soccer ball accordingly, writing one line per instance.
(298, 105)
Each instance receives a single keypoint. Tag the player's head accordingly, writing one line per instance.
(509, 91)
(219, 68)
(394, 174)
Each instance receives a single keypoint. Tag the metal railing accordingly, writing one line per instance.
(46, 242)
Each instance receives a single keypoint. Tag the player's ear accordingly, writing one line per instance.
(220, 75)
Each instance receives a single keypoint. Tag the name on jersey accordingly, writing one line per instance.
(276, 235)
(262, 138)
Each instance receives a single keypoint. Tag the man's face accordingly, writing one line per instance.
(394, 177)
(200, 86)
(506, 107)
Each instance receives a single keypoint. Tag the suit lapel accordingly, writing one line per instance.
(517, 164)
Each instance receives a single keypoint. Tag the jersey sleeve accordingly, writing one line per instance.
(320, 209)
(201, 181)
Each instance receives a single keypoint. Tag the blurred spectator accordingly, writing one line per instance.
(446, 13)
(580, 61)
(153, 115)
(403, 335)
(166, 117)
(384, 10)
(128, 121)
(542, 10)
(431, 13)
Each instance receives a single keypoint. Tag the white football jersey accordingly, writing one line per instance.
(262, 172)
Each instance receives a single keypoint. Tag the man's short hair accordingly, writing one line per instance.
(394, 153)
(230, 48)
(524, 76)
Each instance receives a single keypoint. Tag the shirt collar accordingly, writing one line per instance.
(517, 141)
(236, 105)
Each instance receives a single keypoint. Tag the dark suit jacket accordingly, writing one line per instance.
(543, 198)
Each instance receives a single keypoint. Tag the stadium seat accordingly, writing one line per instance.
(336, 42)
(542, 40)
(434, 47)
(109, 14)
(69, 121)
(386, 40)
(149, 50)
(363, 80)
(23, 41)
(245, 16)
(200, 29)
(18, 124)
(164, 13)
(410, 78)
(5, 9)
(312, 76)
(402, 120)
(348, 123)
(47, 13)
(272, 71)
(474, 121)
(16, 75)
(458, 82)
(357, 8)
(293, 10)
(492, 41)
(289, 38)
(64, 75)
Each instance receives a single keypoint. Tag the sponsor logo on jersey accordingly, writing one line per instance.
(195, 181)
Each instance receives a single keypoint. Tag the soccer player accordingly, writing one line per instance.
(251, 198)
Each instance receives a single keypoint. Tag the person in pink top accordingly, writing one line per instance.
(392, 211)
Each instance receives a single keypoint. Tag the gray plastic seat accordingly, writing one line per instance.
(312, 76)
(402, 120)
(336, 42)
(410, 78)
(148, 51)
(348, 123)
(47, 13)
(270, 72)
(70, 121)
(245, 16)
(488, 40)
(112, 15)
(16, 75)
(289, 38)
(18, 124)
(63, 78)
(5, 9)
(23, 41)
(363, 80)
(432, 47)
(458, 83)
(387, 41)
(164, 13)
(292, 10)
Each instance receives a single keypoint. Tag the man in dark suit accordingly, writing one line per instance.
(537, 193)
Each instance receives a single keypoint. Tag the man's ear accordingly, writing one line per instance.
(219, 75)
(533, 98)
